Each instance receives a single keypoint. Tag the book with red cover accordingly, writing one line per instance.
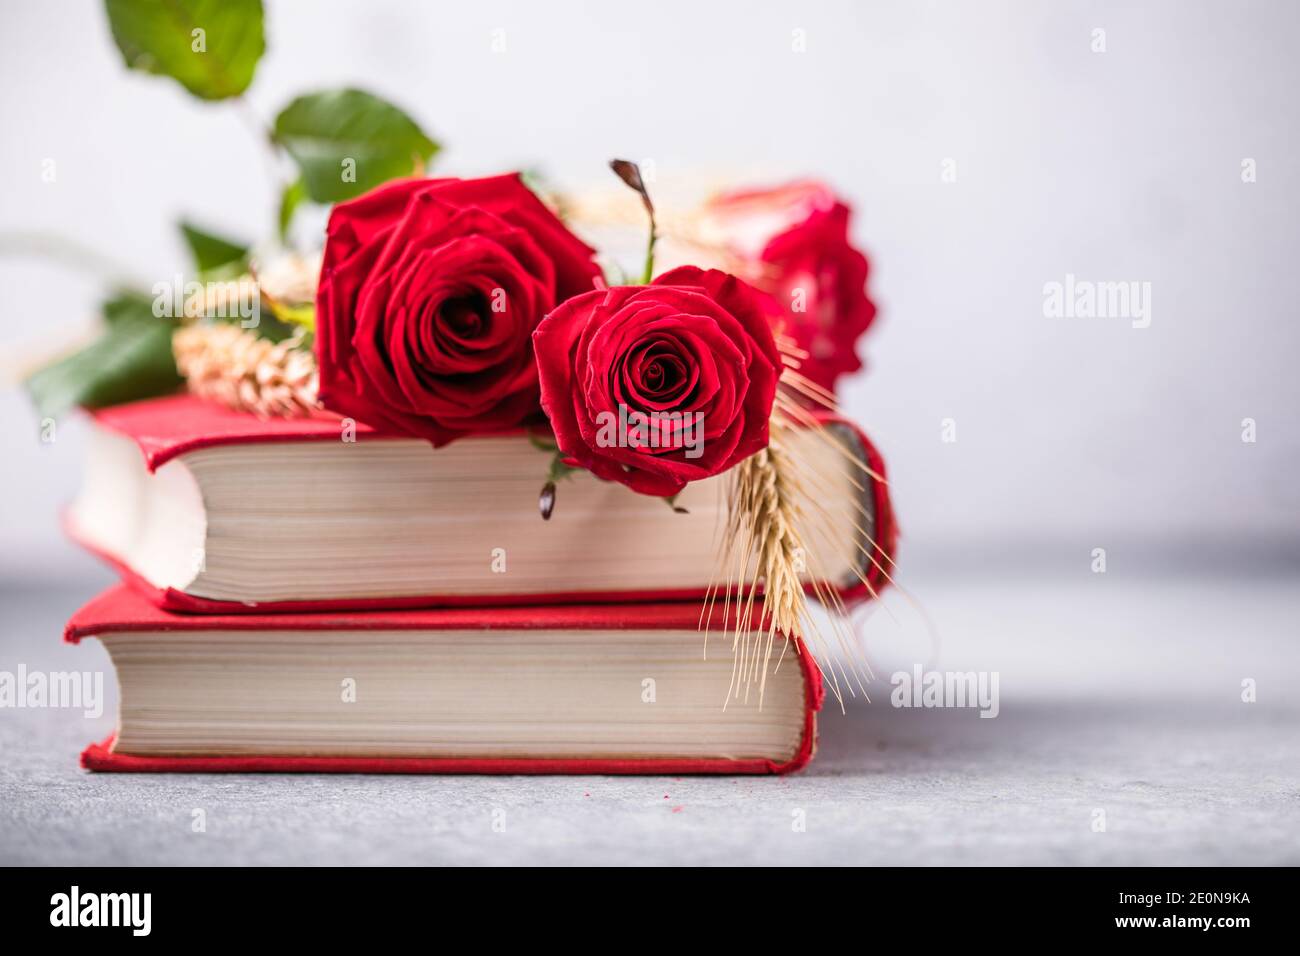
(200, 693)
(209, 510)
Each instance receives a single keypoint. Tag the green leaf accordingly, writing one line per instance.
(132, 359)
(210, 47)
(543, 442)
(126, 304)
(559, 470)
(347, 142)
(290, 200)
(212, 252)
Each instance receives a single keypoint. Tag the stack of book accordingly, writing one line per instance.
(307, 594)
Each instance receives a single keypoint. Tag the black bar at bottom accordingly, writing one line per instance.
(333, 905)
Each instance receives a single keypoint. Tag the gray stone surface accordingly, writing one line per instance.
(1122, 696)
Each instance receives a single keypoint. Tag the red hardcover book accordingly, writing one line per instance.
(598, 689)
(209, 510)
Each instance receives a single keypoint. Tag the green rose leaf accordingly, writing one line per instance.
(126, 305)
(212, 252)
(210, 47)
(290, 199)
(347, 142)
(132, 359)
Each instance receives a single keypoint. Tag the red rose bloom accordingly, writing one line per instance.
(429, 292)
(795, 240)
(658, 385)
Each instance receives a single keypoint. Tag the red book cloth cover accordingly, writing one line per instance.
(122, 609)
(165, 428)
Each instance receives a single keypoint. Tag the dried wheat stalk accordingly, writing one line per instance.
(773, 501)
(234, 366)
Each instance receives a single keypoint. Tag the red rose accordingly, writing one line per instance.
(795, 241)
(429, 293)
(658, 385)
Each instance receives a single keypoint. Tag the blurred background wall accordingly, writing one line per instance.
(1111, 166)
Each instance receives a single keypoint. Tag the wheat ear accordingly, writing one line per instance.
(235, 367)
(774, 505)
